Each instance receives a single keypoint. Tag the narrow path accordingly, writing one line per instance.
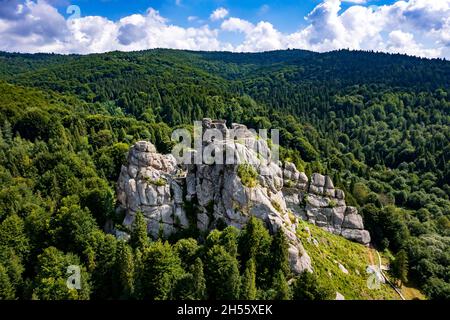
(386, 278)
(371, 256)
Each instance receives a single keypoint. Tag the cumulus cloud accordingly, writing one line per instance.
(236, 24)
(415, 27)
(400, 41)
(218, 14)
(355, 1)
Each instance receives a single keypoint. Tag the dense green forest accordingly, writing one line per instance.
(378, 124)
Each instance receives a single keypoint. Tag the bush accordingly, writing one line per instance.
(307, 287)
(247, 174)
(157, 182)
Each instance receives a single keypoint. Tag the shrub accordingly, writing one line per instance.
(157, 182)
(277, 206)
(247, 174)
(332, 204)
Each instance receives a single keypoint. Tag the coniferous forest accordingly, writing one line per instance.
(378, 124)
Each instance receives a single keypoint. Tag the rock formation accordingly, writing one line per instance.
(320, 203)
(175, 197)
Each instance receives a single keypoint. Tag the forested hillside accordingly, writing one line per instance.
(378, 124)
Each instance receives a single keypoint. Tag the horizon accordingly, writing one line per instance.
(228, 52)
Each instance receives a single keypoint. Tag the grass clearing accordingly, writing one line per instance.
(333, 250)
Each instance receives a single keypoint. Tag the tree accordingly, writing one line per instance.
(192, 285)
(228, 239)
(139, 238)
(279, 254)
(99, 199)
(222, 274)
(436, 288)
(386, 226)
(307, 287)
(161, 271)
(399, 267)
(103, 249)
(72, 227)
(248, 291)
(254, 242)
(7, 132)
(281, 287)
(187, 250)
(50, 282)
(125, 270)
(6, 288)
(12, 235)
(12, 263)
(306, 149)
(199, 282)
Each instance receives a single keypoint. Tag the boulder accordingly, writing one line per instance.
(361, 236)
(353, 221)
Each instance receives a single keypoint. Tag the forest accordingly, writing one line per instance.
(378, 124)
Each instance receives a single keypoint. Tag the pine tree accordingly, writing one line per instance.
(400, 267)
(281, 287)
(139, 238)
(255, 242)
(199, 281)
(161, 271)
(7, 132)
(125, 269)
(279, 254)
(248, 291)
(6, 288)
(222, 274)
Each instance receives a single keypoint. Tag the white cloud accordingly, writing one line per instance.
(404, 42)
(218, 14)
(369, 28)
(415, 27)
(355, 1)
(262, 37)
(236, 24)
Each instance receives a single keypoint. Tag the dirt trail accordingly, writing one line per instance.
(371, 260)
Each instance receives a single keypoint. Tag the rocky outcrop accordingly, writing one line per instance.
(174, 197)
(324, 205)
(150, 184)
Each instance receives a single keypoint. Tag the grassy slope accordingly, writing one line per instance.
(333, 250)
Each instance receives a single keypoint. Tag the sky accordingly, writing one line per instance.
(414, 27)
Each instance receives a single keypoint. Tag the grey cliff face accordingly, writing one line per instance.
(155, 185)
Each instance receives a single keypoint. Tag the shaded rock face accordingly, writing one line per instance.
(155, 185)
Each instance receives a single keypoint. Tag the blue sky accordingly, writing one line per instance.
(287, 15)
(414, 27)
